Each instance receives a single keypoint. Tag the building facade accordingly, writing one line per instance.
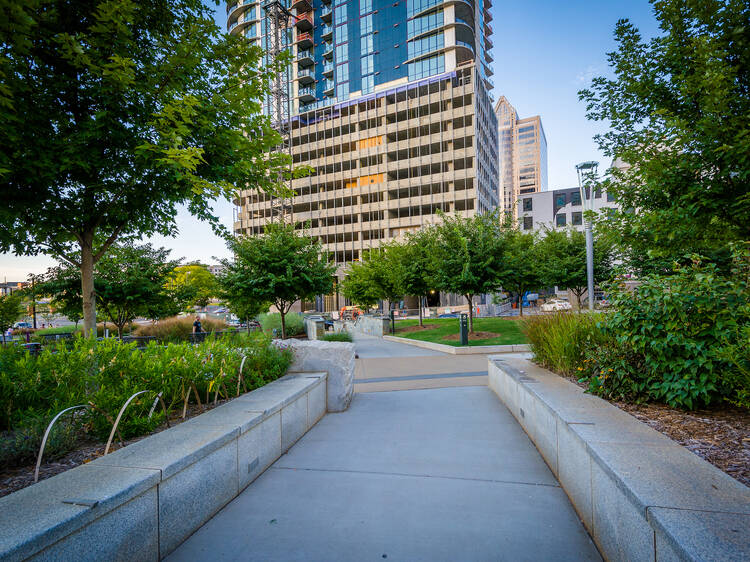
(558, 209)
(522, 155)
(390, 107)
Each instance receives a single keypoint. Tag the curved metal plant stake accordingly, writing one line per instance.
(163, 406)
(117, 421)
(239, 377)
(46, 434)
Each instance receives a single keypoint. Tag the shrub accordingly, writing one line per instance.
(340, 336)
(177, 328)
(559, 341)
(106, 373)
(295, 324)
(676, 339)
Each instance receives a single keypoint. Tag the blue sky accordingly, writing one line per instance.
(544, 51)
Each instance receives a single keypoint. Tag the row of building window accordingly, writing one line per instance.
(423, 24)
(425, 45)
(426, 67)
(561, 199)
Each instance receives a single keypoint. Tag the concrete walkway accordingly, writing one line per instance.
(433, 474)
(388, 365)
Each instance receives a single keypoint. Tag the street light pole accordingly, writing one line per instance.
(587, 175)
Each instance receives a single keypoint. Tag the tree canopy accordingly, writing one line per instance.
(131, 280)
(193, 285)
(678, 109)
(279, 266)
(115, 113)
(468, 256)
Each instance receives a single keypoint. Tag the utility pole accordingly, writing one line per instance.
(277, 18)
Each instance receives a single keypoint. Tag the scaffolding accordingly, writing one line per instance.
(277, 18)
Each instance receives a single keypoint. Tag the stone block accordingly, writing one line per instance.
(293, 422)
(683, 534)
(574, 471)
(189, 498)
(173, 450)
(128, 532)
(36, 518)
(334, 358)
(669, 475)
(237, 414)
(316, 403)
(620, 529)
(546, 434)
(270, 441)
(272, 397)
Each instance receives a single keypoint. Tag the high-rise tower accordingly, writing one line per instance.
(390, 106)
(522, 147)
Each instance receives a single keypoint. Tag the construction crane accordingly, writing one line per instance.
(277, 18)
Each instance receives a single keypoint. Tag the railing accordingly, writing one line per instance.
(306, 92)
(304, 54)
(306, 73)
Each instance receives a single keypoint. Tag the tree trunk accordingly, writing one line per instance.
(283, 323)
(87, 285)
(420, 313)
(520, 304)
(469, 298)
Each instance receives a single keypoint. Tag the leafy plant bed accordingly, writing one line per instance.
(14, 479)
(487, 331)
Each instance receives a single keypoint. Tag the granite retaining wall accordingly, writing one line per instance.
(640, 495)
(142, 501)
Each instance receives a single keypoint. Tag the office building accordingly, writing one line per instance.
(558, 209)
(390, 106)
(523, 155)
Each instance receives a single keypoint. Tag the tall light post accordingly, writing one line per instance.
(586, 178)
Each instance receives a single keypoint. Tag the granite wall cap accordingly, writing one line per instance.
(240, 415)
(171, 450)
(702, 535)
(33, 518)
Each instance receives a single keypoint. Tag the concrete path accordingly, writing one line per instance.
(387, 365)
(437, 474)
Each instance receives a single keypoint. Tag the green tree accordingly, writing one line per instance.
(130, 281)
(280, 267)
(678, 107)
(468, 256)
(116, 112)
(11, 308)
(562, 259)
(360, 285)
(416, 265)
(520, 265)
(194, 285)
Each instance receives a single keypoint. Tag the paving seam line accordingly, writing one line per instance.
(415, 476)
(423, 377)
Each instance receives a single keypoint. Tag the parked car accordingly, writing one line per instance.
(553, 305)
(448, 315)
(22, 326)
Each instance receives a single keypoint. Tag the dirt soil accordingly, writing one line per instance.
(14, 479)
(475, 336)
(417, 328)
(722, 437)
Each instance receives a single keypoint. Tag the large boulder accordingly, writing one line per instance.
(335, 358)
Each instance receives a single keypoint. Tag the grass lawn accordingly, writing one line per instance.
(498, 331)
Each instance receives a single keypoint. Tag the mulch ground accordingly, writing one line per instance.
(721, 437)
(417, 328)
(475, 336)
(13, 479)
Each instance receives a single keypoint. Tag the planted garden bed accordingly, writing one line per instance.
(103, 375)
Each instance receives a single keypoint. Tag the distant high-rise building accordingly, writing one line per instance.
(522, 155)
(390, 105)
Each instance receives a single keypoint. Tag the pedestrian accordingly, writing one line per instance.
(197, 325)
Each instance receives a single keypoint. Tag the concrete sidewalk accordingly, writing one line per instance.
(441, 474)
(387, 365)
